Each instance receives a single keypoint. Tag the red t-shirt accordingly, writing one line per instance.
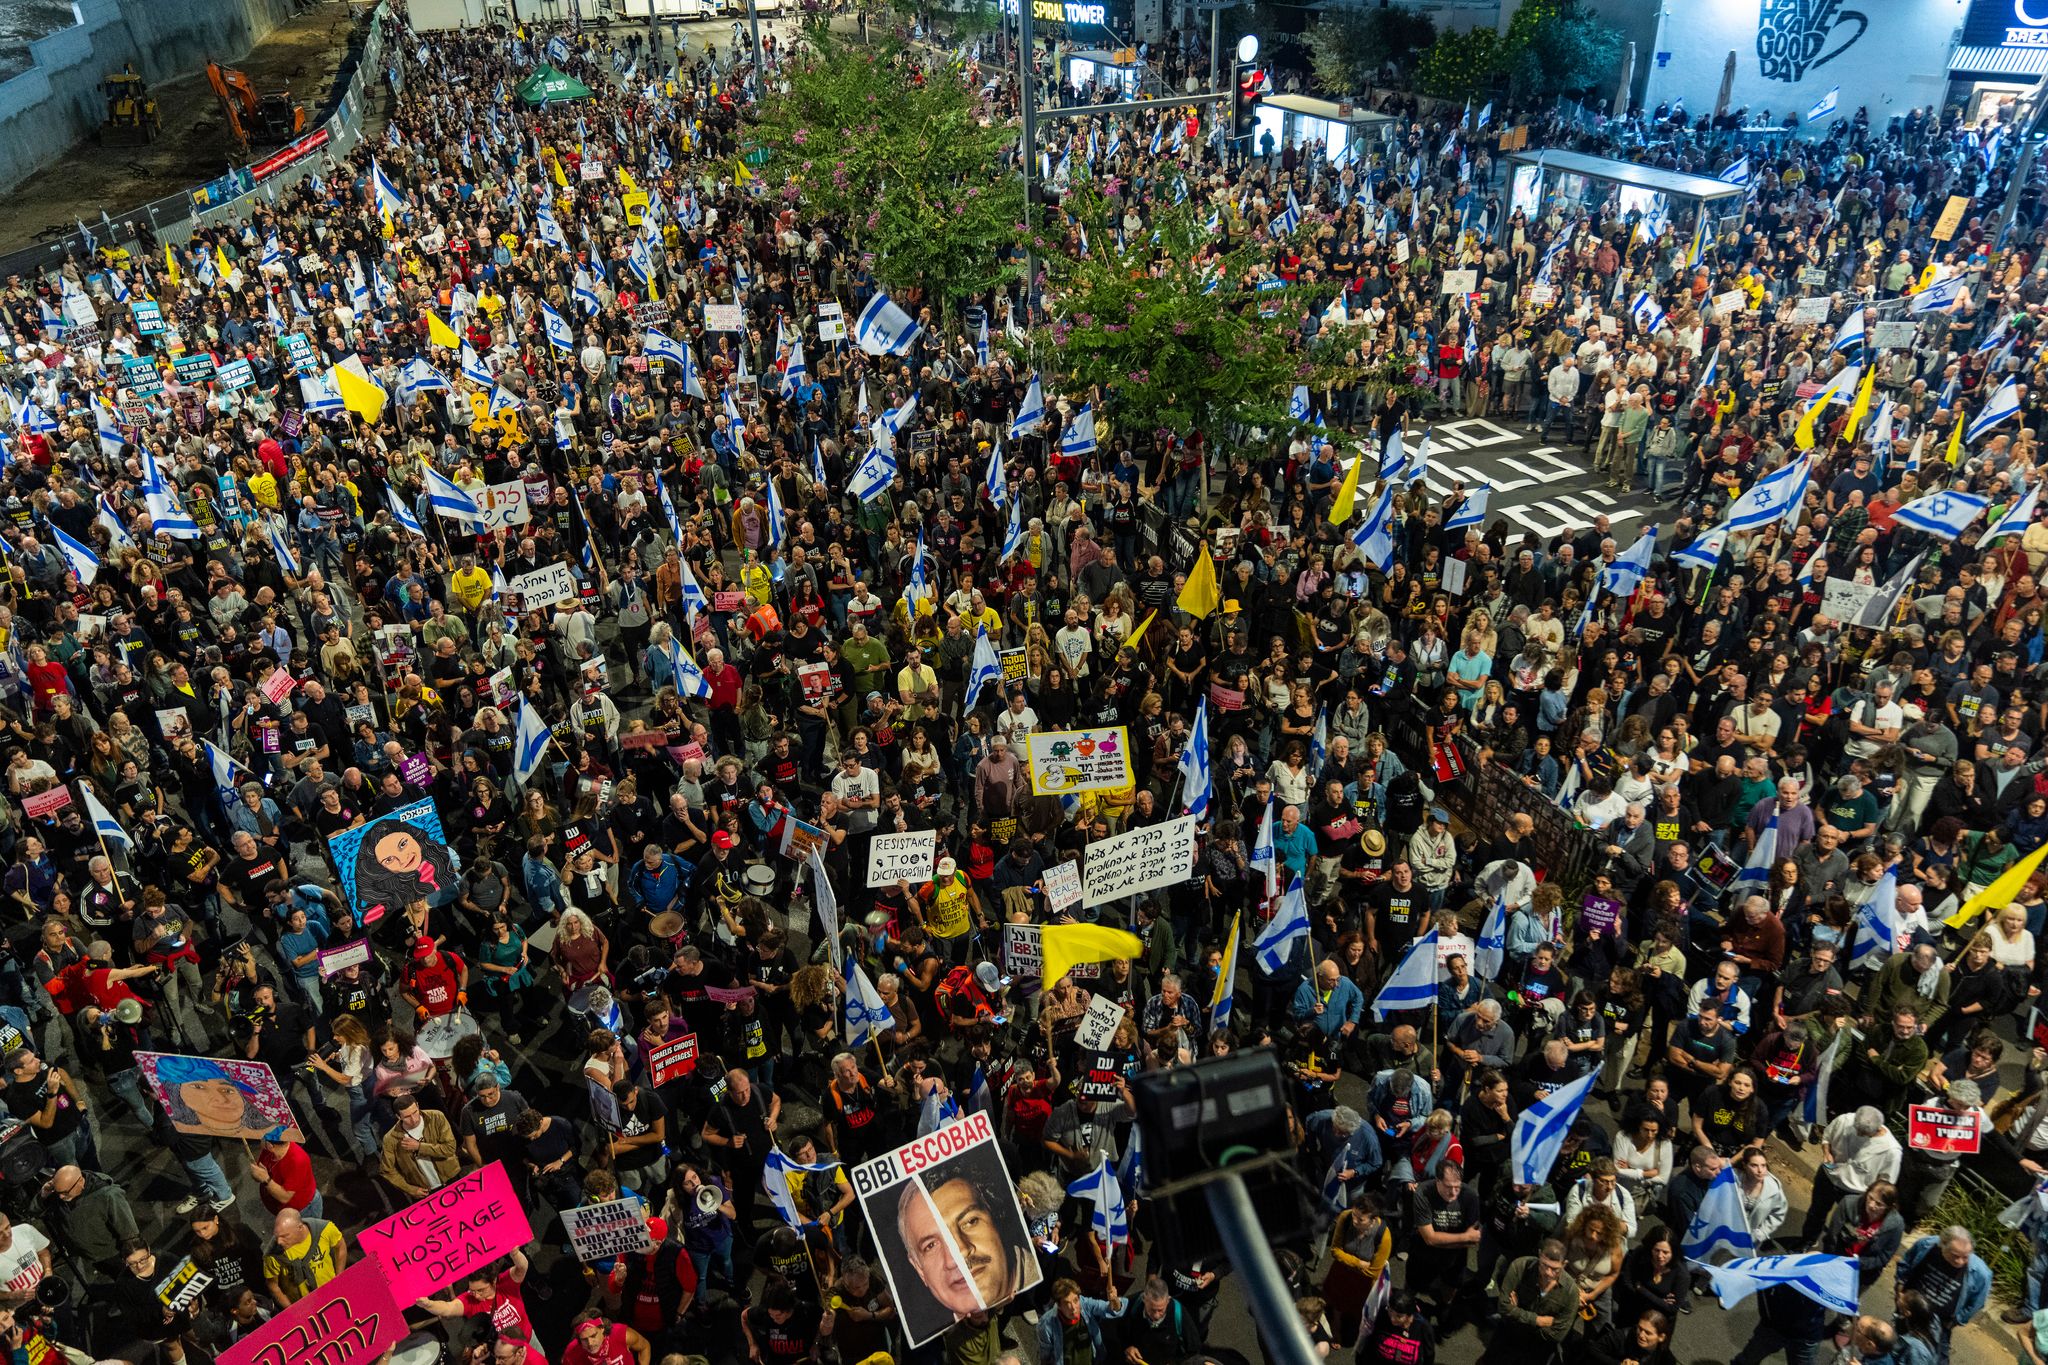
(293, 1170)
(613, 1352)
(507, 1311)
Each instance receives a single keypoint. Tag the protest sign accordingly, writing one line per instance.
(194, 369)
(1843, 599)
(952, 1237)
(673, 1059)
(149, 319)
(1893, 336)
(725, 317)
(1012, 661)
(1942, 1132)
(728, 600)
(815, 679)
(340, 959)
(1022, 956)
(798, 838)
(545, 587)
(351, 1318)
(1809, 311)
(1223, 698)
(393, 860)
(905, 857)
(237, 374)
(277, 686)
(1138, 860)
(597, 1231)
(1098, 1025)
(1061, 762)
(183, 1286)
(1099, 1076)
(1460, 281)
(142, 377)
(1730, 302)
(1951, 216)
(433, 1242)
(504, 504)
(229, 1097)
(43, 805)
(1811, 275)
(1063, 885)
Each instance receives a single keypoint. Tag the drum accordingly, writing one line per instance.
(666, 925)
(421, 1348)
(579, 999)
(761, 881)
(439, 1035)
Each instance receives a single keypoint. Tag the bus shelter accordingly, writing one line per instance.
(1342, 129)
(1542, 178)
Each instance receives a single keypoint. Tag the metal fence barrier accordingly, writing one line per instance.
(175, 217)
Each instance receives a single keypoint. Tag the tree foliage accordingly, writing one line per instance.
(1558, 47)
(1349, 47)
(915, 170)
(1460, 66)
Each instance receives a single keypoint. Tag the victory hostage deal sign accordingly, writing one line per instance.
(435, 1241)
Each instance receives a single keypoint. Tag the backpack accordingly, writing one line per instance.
(1404, 804)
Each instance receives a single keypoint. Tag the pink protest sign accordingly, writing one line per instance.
(435, 1241)
(351, 1318)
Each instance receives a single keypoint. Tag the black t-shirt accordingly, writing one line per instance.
(25, 1100)
(790, 1340)
(1430, 1209)
(1397, 915)
(282, 1044)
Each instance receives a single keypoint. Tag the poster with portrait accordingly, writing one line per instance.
(945, 1216)
(226, 1097)
(392, 861)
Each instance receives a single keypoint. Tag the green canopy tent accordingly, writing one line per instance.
(548, 85)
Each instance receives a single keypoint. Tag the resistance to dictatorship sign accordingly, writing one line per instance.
(945, 1216)
(435, 1241)
(902, 857)
(615, 1229)
(1138, 860)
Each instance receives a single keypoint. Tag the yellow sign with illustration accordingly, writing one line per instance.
(1062, 762)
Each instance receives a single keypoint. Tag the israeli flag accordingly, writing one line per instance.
(985, 670)
(1079, 438)
(996, 481)
(1393, 457)
(981, 350)
(1031, 413)
(1420, 468)
(82, 560)
(1756, 869)
(1413, 983)
(866, 1016)
(285, 559)
(874, 474)
(1298, 406)
(1849, 336)
(389, 200)
(1736, 174)
(586, 292)
(775, 1172)
(529, 742)
(1705, 551)
(1540, 1130)
(1290, 218)
(33, 418)
(883, 328)
(449, 499)
(223, 769)
(503, 400)
(1275, 945)
(1196, 786)
(1374, 536)
(166, 514)
(1262, 845)
(1944, 515)
(1648, 317)
(1938, 297)
(116, 532)
(1013, 535)
(690, 680)
(1472, 511)
(418, 377)
(1825, 105)
(1100, 1189)
(641, 260)
(793, 373)
(693, 597)
(1629, 568)
(1720, 1224)
(2005, 403)
(1877, 925)
(107, 429)
(474, 369)
(898, 418)
(402, 514)
(560, 334)
(1775, 497)
(1489, 950)
(1831, 1281)
(2016, 519)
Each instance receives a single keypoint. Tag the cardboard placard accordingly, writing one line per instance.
(504, 504)
(194, 369)
(1951, 217)
(831, 329)
(277, 686)
(1138, 860)
(673, 1059)
(393, 860)
(149, 319)
(902, 857)
(1099, 1024)
(1730, 301)
(1022, 955)
(237, 375)
(1460, 281)
(1223, 698)
(1062, 885)
(1100, 1072)
(433, 1242)
(1933, 1129)
(598, 1231)
(350, 1319)
(1062, 762)
(416, 771)
(545, 587)
(1012, 661)
(1893, 336)
(333, 960)
(725, 317)
(1842, 599)
(45, 804)
(183, 1286)
(1813, 275)
(644, 739)
(1809, 311)
(726, 599)
(229, 1097)
(798, 839)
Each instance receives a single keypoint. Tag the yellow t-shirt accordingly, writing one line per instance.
(263, 488)
(301, 1269)
(471, 586)
(946, 916)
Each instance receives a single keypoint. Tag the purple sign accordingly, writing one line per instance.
(1598, 914)
(416, 771)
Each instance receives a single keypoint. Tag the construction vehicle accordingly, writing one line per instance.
(132, 119)
(254, 118)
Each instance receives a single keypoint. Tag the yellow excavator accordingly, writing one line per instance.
(132, 119)
(253, 117)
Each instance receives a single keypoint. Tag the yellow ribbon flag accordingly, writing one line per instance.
(171, 266)
(1347, 494)
(1955, 440)
(1139, 633)
(1201, 594)
(2001, 892)
(440, 333)
(360, 394)
(1060, 946)
(1926, 278)
(1861, 407)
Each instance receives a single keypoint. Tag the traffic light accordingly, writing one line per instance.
(1252, 83)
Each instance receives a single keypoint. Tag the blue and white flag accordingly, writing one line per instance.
(286, 560)
(1849, 336)
(777, 531)
(167, 515)
(866, 1016)
(1413, 983)
(2004, 403)
(450, 499)
(2016, 519)
(560, 334)
(898, 418)
(1877, 925)
(1194, 765)
(996, 481)
(981, 347)
(1774, 497)
(1825, 105)
(586, 292)
(474, 369)
(1540, 1130)
(529, 741)
(1645, 313)
(873, 475)
(775, 1173)
(1100, 1189)
(1275, 944)
(550, 227)
(1813, 1109)
(1298, 405)
(1489, 949)
(108, 429)
(1485, 114)
(690, 679)
(1079, 437)
(1832, 1281)
(1374, 536)
(1756, 869)
(82, 560)
(1393, 457)
(223, 769)
(1030, 413)
(1736, 174)
(1289, 219)
(692, 595)
(1720, 1223)
(1631, 566)
(984, 670)
(1418, 468)
(1704, 552)
(103, 822)
(794, 370)
(1013, 534)
(883, 328)
(418, 377)
(402, 514)
(1944, 515)
(116, 531)
(1938, 297)
(1472, 511)
(389, 200)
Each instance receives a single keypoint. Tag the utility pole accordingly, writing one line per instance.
(1027, 92)
(760, 67)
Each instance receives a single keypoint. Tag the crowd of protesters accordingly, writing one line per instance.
(324, 647)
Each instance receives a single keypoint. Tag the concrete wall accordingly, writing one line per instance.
(57, 101)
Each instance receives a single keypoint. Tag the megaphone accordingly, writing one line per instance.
(708, 1199)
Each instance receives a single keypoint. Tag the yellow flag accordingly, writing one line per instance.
(741, 175)
(2001, 892)
(1861, 407)
(1200, 595)
(360, 394)
(171, 266)
(1802, 435)
(223, 264)
(440, 333)
(560, 179)
(1139, 633)
(1347, 494)
(1060, 946)
(1955, 441)
(626, 180)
